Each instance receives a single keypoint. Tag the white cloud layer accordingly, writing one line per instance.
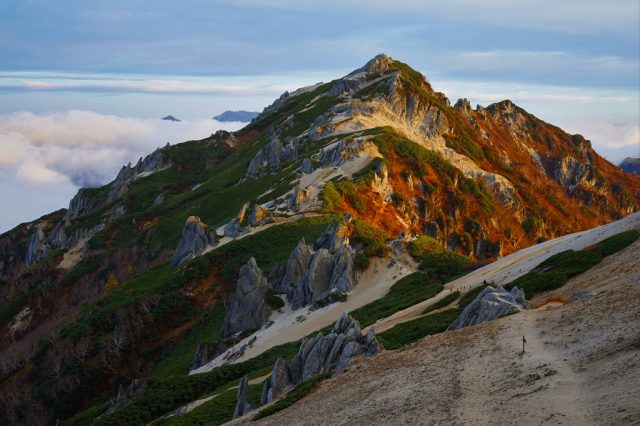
(45, 158)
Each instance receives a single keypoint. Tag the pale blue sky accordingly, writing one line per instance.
(574, 63)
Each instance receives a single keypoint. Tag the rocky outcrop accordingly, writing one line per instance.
(257, 215)
(234, 227)
(145, 166)
(277, 383)
(333, 352)
(248, 309)
(128, 395)
(361, 77)
(337, 153)
(295, 269)
(37, 247)
(306, 167)
(78, 205)
(196, 238)
(243, 405)
(271, 155)
(335, 236)
(328, 275)
(315, 277)
(490, 304)
(300, 197)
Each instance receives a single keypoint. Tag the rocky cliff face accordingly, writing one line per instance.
(196, 238)
(247, 309)
(490, 304)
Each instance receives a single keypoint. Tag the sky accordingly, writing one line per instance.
(83, 84)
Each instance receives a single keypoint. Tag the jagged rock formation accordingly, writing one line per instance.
(248, 309)
(243, 405)
(277, 383)
(78, 205)
(337, 153)
(128, 395)
(490, 304)
(335, 236)
(151, 163)
(37, 247)
(312, 277)
(295, 269)
(328, 275)
(196, 238)
(333, 352)
(271, 155)
(205, 352)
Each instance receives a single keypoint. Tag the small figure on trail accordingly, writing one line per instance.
(523, 342)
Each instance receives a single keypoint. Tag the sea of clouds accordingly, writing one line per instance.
(45, 158)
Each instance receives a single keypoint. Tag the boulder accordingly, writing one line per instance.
(248, 309)
(490, 304)
(196, 238)
(243, 405)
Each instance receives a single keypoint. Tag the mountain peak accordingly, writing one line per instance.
(380, 63)
(170, 118)
(241, 116)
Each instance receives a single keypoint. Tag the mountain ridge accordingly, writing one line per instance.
(379, 145)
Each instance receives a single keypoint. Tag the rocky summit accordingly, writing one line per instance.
(233, 275)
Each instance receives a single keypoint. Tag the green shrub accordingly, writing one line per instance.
(330, 196)
(361, 262)
(164, 395)
(423, 245)
(444, 266)
(410, 331)
(555, 271)
(445, 301)
(273, 299)
(406, 292)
